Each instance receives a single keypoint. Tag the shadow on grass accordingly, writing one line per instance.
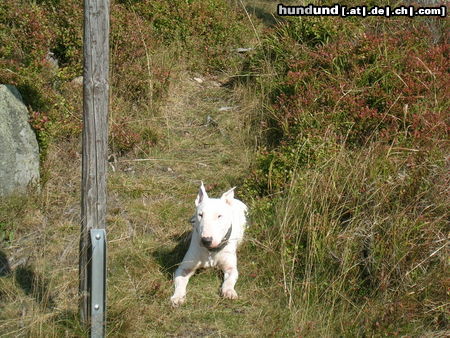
(69, 321)
(266, 17)
(5, 269)
(35, 285)
(169, 259)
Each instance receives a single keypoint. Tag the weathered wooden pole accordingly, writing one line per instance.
(95, 138)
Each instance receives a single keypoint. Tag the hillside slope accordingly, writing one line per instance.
(335, 132)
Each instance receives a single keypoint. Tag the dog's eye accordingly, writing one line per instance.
(218, 216)
(200, 215)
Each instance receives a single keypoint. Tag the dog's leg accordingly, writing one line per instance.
(230, 276)
(181, 279)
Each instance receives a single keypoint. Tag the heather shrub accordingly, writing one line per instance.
(348, 183)
(30, 44)
(148, 41)
(352, 86)
(68, 44)
(207, 31)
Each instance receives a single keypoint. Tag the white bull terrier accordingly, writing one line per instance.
(218, 228)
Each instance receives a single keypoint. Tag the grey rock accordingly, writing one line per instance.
(244, 50)
(211, 122)
(51, 59)
(198, 80)
(19, 150)
(225, 108)
(77, 81)
(213, 83)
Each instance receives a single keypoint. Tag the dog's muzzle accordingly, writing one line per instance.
(207, 241)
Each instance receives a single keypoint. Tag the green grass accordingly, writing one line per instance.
(348, 228)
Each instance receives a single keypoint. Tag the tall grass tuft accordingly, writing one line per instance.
(360, 244)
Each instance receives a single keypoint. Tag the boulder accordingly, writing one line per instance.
(19, 150)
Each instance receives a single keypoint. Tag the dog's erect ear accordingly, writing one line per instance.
(202, 195)
(228, 196)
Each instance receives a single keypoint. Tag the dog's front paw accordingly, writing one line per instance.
(177, 300)
(229, 294)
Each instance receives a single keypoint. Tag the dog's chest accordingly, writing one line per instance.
(213, 259)
(210, 260)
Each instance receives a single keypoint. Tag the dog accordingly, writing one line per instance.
(218, 229)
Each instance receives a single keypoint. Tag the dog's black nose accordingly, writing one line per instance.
(207, 241)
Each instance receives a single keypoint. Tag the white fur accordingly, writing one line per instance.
(213, 218)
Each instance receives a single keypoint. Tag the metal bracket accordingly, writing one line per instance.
(98, 282)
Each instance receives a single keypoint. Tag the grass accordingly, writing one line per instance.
(348, 230)
(150, 202)
(346, 247)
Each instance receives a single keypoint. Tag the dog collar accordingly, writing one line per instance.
(223, 242)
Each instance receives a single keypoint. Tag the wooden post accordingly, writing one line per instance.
(95, 136)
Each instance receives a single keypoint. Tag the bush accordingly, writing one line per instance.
(149, 39)
(346, 184)
(200, 27)
(352, 86)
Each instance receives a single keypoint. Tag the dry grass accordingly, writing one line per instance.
(355, 243)
(150, 203)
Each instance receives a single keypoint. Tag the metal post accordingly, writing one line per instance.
(98, 282)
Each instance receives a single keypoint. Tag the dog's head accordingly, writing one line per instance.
(213, 218)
